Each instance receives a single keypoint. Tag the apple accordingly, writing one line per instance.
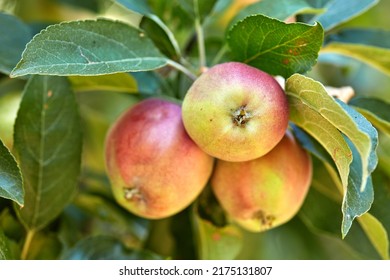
(235, 112)
(266, 192)
(155, 169)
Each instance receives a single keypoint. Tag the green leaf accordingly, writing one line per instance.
(91, 47)
(105, 248)
(274, 46)
(340, 11)
(324, 132)
(13, 39)
(377, 57)
(375, 110)
(279, 9)
(5, 251)
(11, 183)
(342, 117)
(373, 37)
(47, 142)
(119, 82)
(376, 233)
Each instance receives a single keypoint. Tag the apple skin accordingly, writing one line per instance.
(235, 112)
(266, 192)
(155, 169)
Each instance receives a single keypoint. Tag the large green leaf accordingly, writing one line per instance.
(11, 183)
(342, 117)
(375, 110)
(91, 47)
(105, 248)
(317, 108)
(13, 39)
(274, 46)
(47, 142)
(279, 9)
(340, 11)
(376, 57)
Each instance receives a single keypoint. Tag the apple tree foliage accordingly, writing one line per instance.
(64, 79)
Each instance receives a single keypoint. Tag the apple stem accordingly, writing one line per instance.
(200, 37)
(181, 68)
(201, 45)
(27, 243)
(220, 54)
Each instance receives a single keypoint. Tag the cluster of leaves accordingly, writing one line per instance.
(76, 77)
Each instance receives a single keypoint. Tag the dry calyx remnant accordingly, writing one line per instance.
(132, 194)
(241, 116)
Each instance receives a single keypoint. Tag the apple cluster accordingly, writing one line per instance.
(231, 131)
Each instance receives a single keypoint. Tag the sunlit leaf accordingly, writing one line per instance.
(341, 116)
(324, 132)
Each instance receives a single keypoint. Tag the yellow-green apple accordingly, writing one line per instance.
(155, 169)
(235, 112)
(266, 192)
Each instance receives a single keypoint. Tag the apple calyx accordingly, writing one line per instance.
(241, 116)
(132, 194)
